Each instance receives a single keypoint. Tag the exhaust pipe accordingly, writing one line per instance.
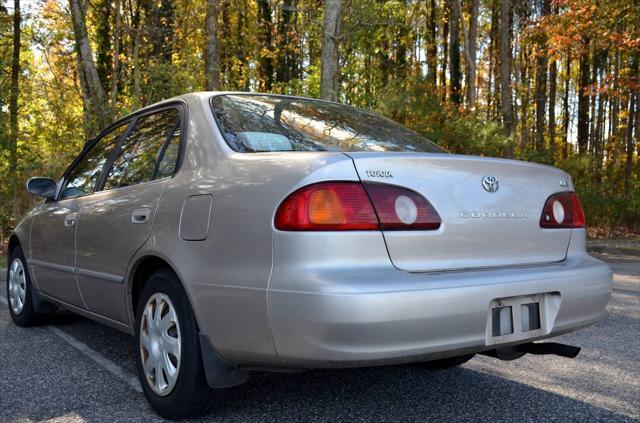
(545, 348)
(555, 348)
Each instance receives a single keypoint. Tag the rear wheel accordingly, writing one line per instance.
(19, 291)
(446, 363)
(168, 354)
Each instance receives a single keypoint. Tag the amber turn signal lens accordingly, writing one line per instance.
(325, 208)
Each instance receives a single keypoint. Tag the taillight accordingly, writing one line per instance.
(350, 206)
(327, 206)
(402, 209)
(562, 210)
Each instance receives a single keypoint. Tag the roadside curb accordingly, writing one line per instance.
(624, 247)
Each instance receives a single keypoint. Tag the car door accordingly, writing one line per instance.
(116, 221)
(53, 232)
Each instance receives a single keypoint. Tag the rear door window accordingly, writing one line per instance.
(149, 152)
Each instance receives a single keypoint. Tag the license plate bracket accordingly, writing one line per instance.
(516, 318)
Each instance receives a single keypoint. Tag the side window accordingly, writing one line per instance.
(83, 177)
(149, 152)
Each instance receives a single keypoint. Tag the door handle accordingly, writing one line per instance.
(141, 215)
(70, 219)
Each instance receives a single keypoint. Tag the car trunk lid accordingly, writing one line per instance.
(483, 224)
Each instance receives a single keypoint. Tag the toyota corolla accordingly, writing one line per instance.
(234, 232)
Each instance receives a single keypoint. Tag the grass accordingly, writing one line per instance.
(3, 261)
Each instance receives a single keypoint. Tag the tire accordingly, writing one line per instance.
(19, 291)
(186, 393)
(446, 363)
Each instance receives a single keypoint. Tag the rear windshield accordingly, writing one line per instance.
(264, 123)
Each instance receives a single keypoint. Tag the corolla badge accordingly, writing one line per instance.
(476, 214)
(490, 183)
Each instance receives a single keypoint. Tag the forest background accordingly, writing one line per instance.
(550, 81)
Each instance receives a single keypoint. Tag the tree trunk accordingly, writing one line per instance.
(493, 76)
(115, 75)
(615, 106)
(445, 55)
(470, 52)
(633, 105)
(241, 53)
(541, 85)
(329, 55)
(595, 95)
(161, 28)
(286, 66)
(599, 126)
(454, 51)
(553, 87)
(432, 44)
(266, 47)
(565, 108)
(505, 72)
(525, 79)
(104, 56)
(137, 25)
(96, 105)
(13, 108)
(583, 100)
(211, 67)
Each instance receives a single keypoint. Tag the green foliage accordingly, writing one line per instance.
(418, 107)
(605, 201)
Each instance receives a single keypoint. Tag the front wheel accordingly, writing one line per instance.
(169, 360)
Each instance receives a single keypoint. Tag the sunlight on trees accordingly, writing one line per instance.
(552, 81)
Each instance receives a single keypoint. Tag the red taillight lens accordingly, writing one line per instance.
(562, 210)
(327, 206)
(402, 209)
(347, 206)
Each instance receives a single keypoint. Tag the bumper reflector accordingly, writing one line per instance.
(501, 321)
(530, 316)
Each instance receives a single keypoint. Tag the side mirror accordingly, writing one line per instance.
(42, 187)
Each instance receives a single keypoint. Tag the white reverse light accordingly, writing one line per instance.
(406, 210)
(558, 211)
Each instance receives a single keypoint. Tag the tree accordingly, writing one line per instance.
(470, 49)
(266, 47)
(115, 71)
(632, 114)
(287, 66)
(583, 99)
(104, 53)
(212, 70)
(541, 83)
(491, 77)
(432, 44)
(96, 112)
(329, 55)
(505, 72)
(553, 87)
(13, 105)
(454, 51)
(565, 108)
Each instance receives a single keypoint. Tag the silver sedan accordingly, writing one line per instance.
(235, 232)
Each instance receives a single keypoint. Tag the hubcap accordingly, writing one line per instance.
(17, 286)
(160, 344)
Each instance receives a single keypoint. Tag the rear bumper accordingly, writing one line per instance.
(359, 317)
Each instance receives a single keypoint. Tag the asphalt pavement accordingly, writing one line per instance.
(75, 370)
